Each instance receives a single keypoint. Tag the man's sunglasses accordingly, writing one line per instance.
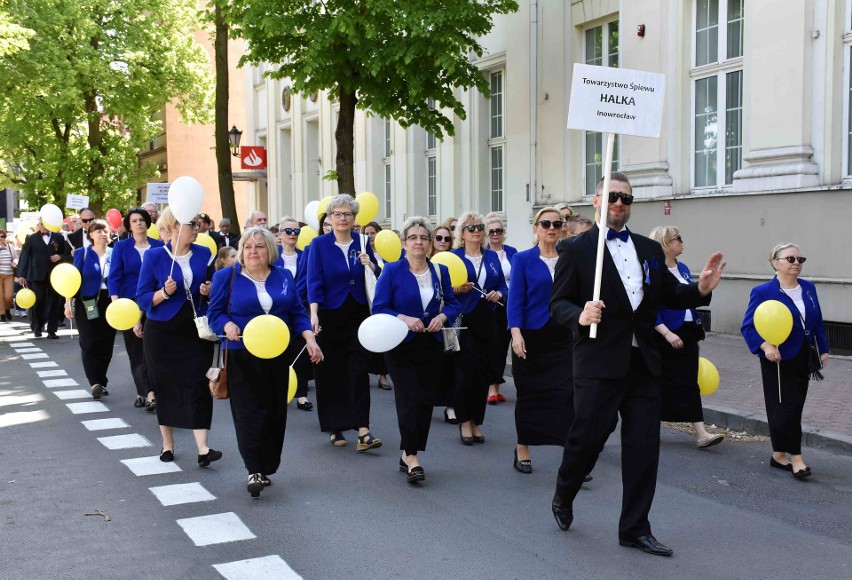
(475, 228)
(439, 238)
(547, 224)
(496, 232)
(626, 198)
(292, 231)
(794, 259)
(86, 221)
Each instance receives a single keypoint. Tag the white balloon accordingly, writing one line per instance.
(51, 215)
(382, 332)
(311, 217)
(185, 198)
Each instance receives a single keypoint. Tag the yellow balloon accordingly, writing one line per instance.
(154, 232)
(458, 271)
(291, 388)
(388, 246)
(773, 321)
(323, 206)
(66, 280)
(52, 228)
(21, 234)
(208, 242)
(25, 298)
(266, 336)
(123, 314)
(369, 208)
(708, 376)
(306, 236)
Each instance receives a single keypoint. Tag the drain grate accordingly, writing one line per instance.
(839, 336)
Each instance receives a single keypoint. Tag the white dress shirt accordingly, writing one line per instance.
(629, 269)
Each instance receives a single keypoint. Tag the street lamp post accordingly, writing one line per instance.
(234, 136)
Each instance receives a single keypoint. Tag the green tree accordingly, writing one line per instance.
(387, 56)
(76, 108)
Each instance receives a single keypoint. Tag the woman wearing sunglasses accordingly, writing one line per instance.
(485, 286)
(496, 242)
(445, 395)
(792, 359)
(678, 334)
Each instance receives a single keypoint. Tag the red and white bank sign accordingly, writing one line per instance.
(252, 157)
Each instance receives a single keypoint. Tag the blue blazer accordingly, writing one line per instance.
(397, 293)
(280, 262)
(529, 301)
(155, 271)
(494, 279)
(245, 305)
(89, 263)
(674, 319)
(302, 274)
(813, 319)
(330, 281)
(124, 268)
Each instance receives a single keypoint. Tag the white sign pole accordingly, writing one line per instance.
(603, 209)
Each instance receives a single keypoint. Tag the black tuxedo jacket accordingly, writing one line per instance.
(608, 355)
(75, 238)
(233, 240)
(34, 263)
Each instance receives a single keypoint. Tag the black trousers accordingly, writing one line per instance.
(47, 308)
(303, 367)
(473, 368)
(785, 417)
(415, 368)
(97, 339)
(138, 369)
(258, 389)
(503, 339)
(597, 403)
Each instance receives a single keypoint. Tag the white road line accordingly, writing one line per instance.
(181, 493)
(90, 407)
(43, 365)
(215, 529)
(266, 567)
(129, 441)
(75, 394)
(150, 466)
(26, 350)
(53, 383)
(34, 356)
(57, 373)
(19, 344)
(104, 424)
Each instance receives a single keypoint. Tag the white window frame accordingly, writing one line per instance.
(720, 68)
(497, 197)
(387, 166)
(431, 169)
(847, 97)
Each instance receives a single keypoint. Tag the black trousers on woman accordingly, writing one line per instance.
(138, 368)
(501, 346)
(343, 386)
(258, 389)
(681, 397)
(96, 339)
(785, 417)
(303, 367)
(474, 371)
(415, 367)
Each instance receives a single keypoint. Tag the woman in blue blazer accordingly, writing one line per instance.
(258, 387)
(678, 335)
(478, 297)
(785, 396)
(338, 301)
(126, 261)
(96, 336)
(496, 242)
(171, 294)
(420, 294)
(541, 349)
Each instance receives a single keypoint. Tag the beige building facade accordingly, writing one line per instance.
(754, 149)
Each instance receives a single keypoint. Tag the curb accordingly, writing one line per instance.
(756, 423)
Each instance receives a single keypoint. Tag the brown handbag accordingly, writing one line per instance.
(218, 373)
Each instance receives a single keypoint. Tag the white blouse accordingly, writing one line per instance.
(290, 262)
(262, 295)
(424, 283)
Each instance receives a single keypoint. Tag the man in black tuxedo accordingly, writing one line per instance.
(619, 371)
(78, 238)
(225, 235)
(41, 252)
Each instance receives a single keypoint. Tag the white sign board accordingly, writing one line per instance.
(616, 100)
(76, 201)
(158, 193)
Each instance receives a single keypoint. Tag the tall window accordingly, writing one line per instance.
(496, 141)
(388, 152)
(717, 92)
(601, 49)
(431, 169)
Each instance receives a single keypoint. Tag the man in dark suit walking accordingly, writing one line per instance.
(78, 238)
(619, 370)
(225, 235)
(41, 252)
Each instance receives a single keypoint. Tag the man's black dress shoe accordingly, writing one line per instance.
(52, 335)
(779, 465)
(647, 544)
(563, 512)
(306, 406)
(37, 334)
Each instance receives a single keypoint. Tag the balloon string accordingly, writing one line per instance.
(483, 293)
(779, 380)
(174, 256)
(300, 354)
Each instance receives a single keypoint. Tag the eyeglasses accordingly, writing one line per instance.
(677, 238)
(794, 259)
(292, 231)
(414, 238)
(453, 228)
(342, 214)
(474, 228)
(547, 224)
(86, 221)
(3, 236)
(194, 225)
(626, 198)
(496, 232)
(443, 238)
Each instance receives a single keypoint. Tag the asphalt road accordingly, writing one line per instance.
(334, 513)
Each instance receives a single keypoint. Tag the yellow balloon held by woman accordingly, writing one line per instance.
(368, 208)
(773, 322)
(291, 387)
(458, 271)
(123, 314)
(708, 376)
(388, 245)
(66, 280)
(25, 298)
(306, 236)
(323, 206)
(154, 232)
(208, 242)
(266, 336)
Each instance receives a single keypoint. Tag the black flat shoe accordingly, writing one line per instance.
(139, 403)
(647, 544)
(167, 455)
(264, 479)
(209, 457)
(524, 466)
(479, 438)
(151, 406)
(562, 512)
(779, 465)
(255, 485)
(416, 474)
(52, 336)
(402, 466)
(306, 406)
(588, 478)
(384, 385)
(450, 420)
(465, 440)
(802, 474)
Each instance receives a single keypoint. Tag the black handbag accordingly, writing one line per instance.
(814, 360)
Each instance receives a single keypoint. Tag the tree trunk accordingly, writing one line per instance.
(344, 135)
(223, 149)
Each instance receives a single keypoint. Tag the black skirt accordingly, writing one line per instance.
(502, 342)
(177, 361)
(545, 384)
(681, 397)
